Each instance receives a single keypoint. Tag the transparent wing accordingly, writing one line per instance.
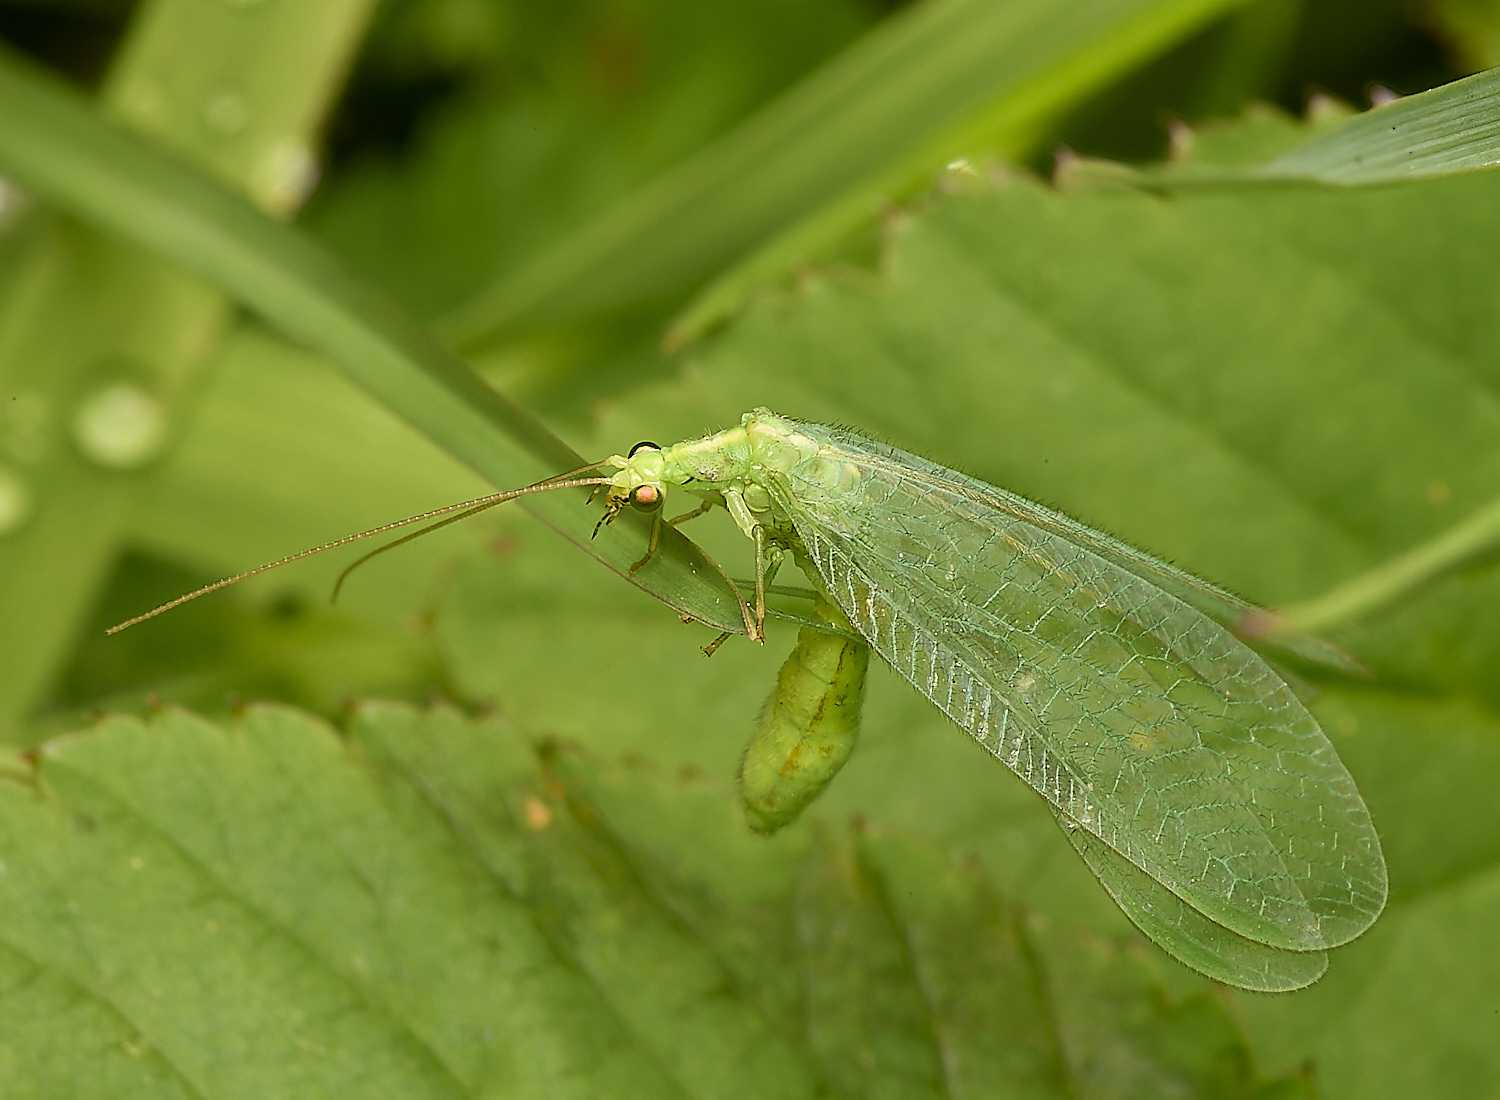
(1104, 686)
(1186, 934)
(1221, 606)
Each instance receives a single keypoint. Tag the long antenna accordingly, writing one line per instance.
(469, 507)
(338, 585)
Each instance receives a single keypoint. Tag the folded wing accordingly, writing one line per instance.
(1127, 707)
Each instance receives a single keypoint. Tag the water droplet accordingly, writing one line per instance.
(227, 111)
(286, 175)
(15, 501)
(120, 426)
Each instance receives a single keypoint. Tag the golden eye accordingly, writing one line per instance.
(646, 496)
(643, 445)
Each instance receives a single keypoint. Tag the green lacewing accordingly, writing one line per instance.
(1184, 770)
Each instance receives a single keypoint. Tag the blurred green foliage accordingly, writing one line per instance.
(1275, 387)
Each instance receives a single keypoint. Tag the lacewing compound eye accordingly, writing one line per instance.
(645, 496)
(643, 445)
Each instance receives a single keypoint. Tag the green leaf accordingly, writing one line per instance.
(56, 145)
(958, 943)
(433, 909)
(1096, 316)
(235, 949)
(1238, 381)
(1278, 391)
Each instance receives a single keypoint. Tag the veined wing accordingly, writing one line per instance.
(1118, 700)
(1218, 604)
(1186, 934)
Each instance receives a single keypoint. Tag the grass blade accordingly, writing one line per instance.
(1449, 129)
(55, 144)
(920, 89)
(1445, 131)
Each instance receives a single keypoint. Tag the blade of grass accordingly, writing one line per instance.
(1447, 130)
(91, 319)
(55, 144)
(1082, 58)
(928, 82)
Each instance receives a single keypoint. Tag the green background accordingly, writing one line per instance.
(473, 831)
